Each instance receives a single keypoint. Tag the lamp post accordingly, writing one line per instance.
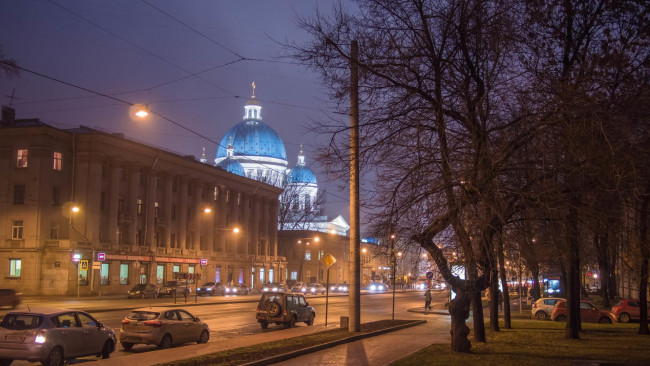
(393, 264)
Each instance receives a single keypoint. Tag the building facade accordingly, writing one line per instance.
(135, 213)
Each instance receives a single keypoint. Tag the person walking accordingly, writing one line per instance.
(427, 299)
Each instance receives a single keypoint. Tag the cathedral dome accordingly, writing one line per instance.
(232, 166)
(302, 174)
(253, 138)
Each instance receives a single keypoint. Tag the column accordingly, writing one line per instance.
(93, 200)
(245, 234)
(233, 206)
(150, 214)
(255, 227)
(134, 194)
(222, 207)
(264, 244)
(113, 198)
(181, 214)
(198, 216)
(273, 230)
(167, 209)
(210, 222)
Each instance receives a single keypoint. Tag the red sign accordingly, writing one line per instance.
(204, 261)
(101, 257)
(123, 257)
(175, 260)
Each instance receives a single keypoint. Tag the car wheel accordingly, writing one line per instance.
(273, 308)
(311, 319)
(106, 350)
(605, 320)
(55, 358)
(205, 336)
(127, 346)
(541, 315)
(264, 325)
(166, 342)
(560, 318)
(5, 362)
(624, 318)
(292, 322)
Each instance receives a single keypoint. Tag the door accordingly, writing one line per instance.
(173, 326)
(93, 338)
(587, 313)
(70, 335)
(191, 329)
(303, 308)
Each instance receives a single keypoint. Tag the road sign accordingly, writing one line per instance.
(101, 256)
(204, 261)
(83, 265)
(328, 260)
(97, 265)
(76, 257)
(429, 275)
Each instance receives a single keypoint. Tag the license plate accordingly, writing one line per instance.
(14, 338)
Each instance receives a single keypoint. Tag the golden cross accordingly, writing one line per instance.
(253, 89)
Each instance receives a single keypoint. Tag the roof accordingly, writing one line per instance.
(302, 174)
(253, 138)
(232, 166)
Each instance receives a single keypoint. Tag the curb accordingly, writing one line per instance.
(436, 312)
(304, 351)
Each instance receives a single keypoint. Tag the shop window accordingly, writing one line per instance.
(294, 275)
(103, 274)
(160, 274)
(262, 275)
(19, 194)
(21, 159)
(307, 255)
(124, 274)
(57, 162)
(17, 230)
(190, 269)
(14, 267)
(241, 274)
(176, 268)
(217, 274)
(83, 276)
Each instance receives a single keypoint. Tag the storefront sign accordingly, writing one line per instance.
(176, 260)
(123, 257)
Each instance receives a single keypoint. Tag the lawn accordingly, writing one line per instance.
(532, 342)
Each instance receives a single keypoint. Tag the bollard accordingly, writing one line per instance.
(345, 323)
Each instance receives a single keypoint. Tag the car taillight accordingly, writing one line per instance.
(154, 323)
(258, 309)
(125, 321)
(534, 305)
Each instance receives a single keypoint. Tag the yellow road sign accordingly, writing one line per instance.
(83, 264)
(328, 260)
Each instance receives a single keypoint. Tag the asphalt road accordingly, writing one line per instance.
(228, 320)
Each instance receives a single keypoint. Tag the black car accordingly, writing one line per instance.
(237, 289)
(143, 291)
(175, 288)
(211, 288)
(283, 308)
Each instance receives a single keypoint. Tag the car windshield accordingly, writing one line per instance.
(137, 287)
(267, 298)
(143, 315)
(208, 284)
(21, 321)
(170, 283)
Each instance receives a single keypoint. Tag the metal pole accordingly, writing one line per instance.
(354, 304)
(393, 265)
(327, 294)
(78, 276)
(520, 284)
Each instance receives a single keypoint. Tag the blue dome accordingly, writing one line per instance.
(253, 138)
(302, 174)
(232, 166)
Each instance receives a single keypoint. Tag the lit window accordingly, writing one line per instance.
(139, 207)
(14, 267)
(294, 275)
(103, 274)
(17, 230)
(58, 161)
(307, 255)
(124, 274)
(21, 159)
(176, 268)
(160, 274)
(156, 209)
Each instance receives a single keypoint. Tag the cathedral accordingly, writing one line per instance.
(254, 150)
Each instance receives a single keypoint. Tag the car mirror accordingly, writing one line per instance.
(306, 303)
(197, 319)
(99, 325)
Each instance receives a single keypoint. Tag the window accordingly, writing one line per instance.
(294, 275)
(17, 230)
(122, 177)
(139, 238)
(262, 275)
(139, 209)
(83, 276)
(86, 321)
(160, 274)
(217, 274)
(271, 275)
(21, 159)
(156, 209)
(176, 268)
(56, 196)
(103, 274)
(120, 205)
(172, 240)
(19, 194)
(102, 201)
(57, 162)
(190, 269)
(158, 183)
(174, 184)
(241, 275)
(14, 267)
(54, 231)
(307, 255)
(173, 213)
(215, 195)
(124, 274)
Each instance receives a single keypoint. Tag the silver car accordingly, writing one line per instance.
(162, 326)
(543, 308)
(51, 336)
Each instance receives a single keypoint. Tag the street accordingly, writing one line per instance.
(229, 317)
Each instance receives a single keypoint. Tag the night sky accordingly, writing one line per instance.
(133, 50)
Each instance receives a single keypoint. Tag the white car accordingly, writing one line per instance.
(543, 308)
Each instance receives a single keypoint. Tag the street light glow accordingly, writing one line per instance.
(75, 209)
(207, 210)
(316, 239)
(235, 230)
(364, 250)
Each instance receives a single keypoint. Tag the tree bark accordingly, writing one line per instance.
(459, 310)
(645, 256)
(573, 278)
(494, 305)
(535, 291)
(504, 285)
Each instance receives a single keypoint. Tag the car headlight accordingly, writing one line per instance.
(234, 290)
(373, 288)
(313, 289)
(303, 289)
(227, 289)
(265, 289)
(381, 288)
(275, 289)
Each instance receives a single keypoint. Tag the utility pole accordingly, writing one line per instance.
(393, 265)
(354, 304)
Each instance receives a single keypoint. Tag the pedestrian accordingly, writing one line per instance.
(427, 299)
(500, 299)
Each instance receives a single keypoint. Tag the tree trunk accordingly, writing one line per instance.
(573, 278)
(494, 305)
(504, 285)
(645, 255)
(477, 317)
(459, 310)
(535, 291)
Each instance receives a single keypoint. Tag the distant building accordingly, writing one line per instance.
(143, 208)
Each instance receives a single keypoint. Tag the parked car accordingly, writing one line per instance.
(238, 289)
(588, 313)
(299, 287)
(376, 287)
(211, 288)
(175, 288)
(316, 288)
(275, 287)
(283, 308)
(340, 288)
(543, 308)
(627, 309)
(51, 336)
(162, 326)
(143, 291)
(9, 297)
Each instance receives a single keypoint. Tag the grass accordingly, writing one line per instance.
(255, 352)
(543, 343)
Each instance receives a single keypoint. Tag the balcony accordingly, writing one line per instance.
(15, 243)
